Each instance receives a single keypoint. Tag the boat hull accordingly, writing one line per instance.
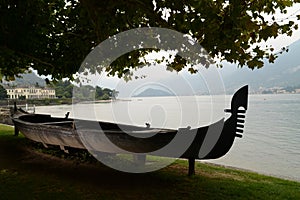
(48, 134)
(207, 142)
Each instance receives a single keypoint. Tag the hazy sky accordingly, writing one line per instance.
(277, 43)
(281, 41)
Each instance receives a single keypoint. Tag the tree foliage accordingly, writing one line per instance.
(65, 89)
(3, 92)
(105, 93)
(54, 36)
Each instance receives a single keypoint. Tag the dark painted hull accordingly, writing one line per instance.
(207, 142)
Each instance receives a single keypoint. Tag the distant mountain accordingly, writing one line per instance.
(30, 79)
(150, 92)
(284, 72)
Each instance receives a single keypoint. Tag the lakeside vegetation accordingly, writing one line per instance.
(23, 163)
(65, 89)
(66, 93)
(3, 93)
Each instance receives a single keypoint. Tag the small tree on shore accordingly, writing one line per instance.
(3, 92)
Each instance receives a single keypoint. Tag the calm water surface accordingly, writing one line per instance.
(271, 142)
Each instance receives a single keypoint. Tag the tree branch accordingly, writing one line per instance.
(28, 56)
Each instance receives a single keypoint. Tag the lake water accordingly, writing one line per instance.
(271, 141)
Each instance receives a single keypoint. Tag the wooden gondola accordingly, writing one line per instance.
(208, 142)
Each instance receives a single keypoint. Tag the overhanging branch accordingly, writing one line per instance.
(28, 56)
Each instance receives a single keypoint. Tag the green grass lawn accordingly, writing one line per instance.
(27, 171)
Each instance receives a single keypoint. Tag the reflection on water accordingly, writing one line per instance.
(271, 142)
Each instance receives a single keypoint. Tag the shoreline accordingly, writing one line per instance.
(252, 171)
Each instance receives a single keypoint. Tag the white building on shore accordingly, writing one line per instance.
(30, 93)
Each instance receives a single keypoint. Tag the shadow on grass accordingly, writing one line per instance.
(28, 171)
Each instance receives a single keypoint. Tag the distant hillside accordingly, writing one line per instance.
(150, 92)
(284, 72)
(27, 80)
